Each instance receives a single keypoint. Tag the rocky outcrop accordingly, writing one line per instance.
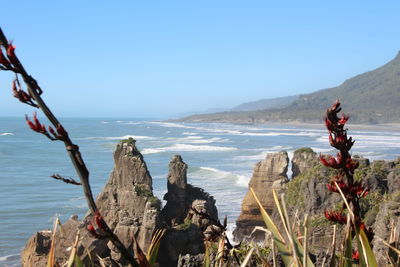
(268, 174)
(186, 227)
(127, 205)
(303, 159)
(386, 218)
(36, 249)
(306, 193)
(127, 201)
(176, 209)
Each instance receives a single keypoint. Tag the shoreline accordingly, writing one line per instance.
(391, 127)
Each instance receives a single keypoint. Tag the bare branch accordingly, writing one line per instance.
(65, 180)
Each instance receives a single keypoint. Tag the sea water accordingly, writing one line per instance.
(221, 158)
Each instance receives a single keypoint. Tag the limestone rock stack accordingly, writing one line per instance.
(268, 174)
(127, 205)
(185, 227)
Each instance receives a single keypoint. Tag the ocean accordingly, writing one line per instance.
(221, 158)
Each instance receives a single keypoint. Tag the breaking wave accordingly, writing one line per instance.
(136, 137)
(4, 134)
(186, 147)
(213, 173)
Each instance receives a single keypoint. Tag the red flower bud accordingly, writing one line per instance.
(92, 231)
(344, 119)
(51, 130)
(335, 216)
(100, 221)
(351, 165)
(355, 255)
(332, 162)
(11, 54)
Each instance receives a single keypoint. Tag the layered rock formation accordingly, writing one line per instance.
(306, 193)
(127, 201)
(129, 207)
(303, 159)
(186, 227)
(268, 174)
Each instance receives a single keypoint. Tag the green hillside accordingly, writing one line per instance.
(371, 97)
(270, 103)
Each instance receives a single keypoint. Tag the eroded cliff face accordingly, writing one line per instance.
(268, 174)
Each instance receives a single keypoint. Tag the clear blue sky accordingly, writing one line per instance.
(159, 58)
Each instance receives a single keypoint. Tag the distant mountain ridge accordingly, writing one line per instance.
(270, 103)
(372, 97)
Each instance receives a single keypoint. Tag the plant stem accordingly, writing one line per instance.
(72, 149)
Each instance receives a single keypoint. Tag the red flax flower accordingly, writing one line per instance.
(93, 231)
(35, 125)
(344, 119)
(357, 189)
(21, 95)
(97, 226)
(355, 256)
(336, 216)
(11, 54)
(352, 190)
(99, 221)
(332, 162)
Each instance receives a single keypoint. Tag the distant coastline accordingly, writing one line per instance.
(392, 127)
(370, 98)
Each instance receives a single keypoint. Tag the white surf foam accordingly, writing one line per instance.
(256, 157)
(195, 139)
(370, 140)
(310, 134)
(171, 125)
(9, 257)
(136, 137)
(4, 134)
(263, 153)
(208, 172)
(186, 147)
(188, 133)
(133, 123)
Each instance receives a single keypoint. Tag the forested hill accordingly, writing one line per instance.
(371, 97)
